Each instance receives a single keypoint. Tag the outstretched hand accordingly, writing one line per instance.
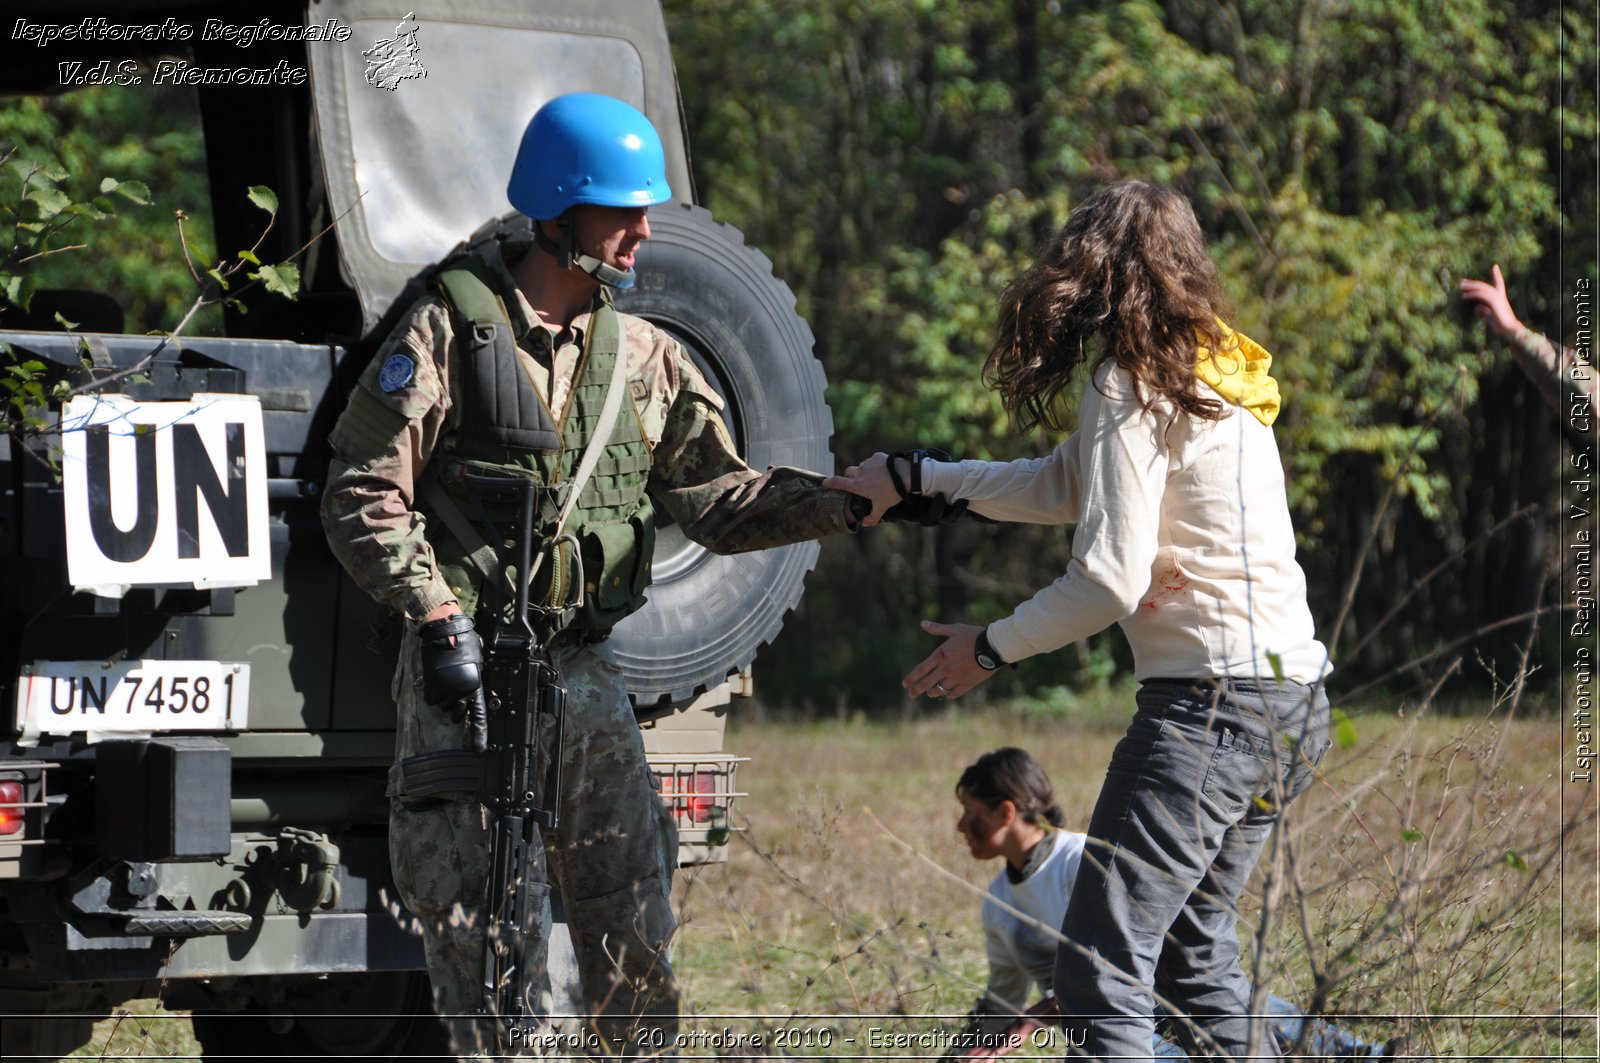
(952, 669)
(871, 481)
(1492, 304)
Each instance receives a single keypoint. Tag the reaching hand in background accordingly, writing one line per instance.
(1563, 377)
(1492, 304)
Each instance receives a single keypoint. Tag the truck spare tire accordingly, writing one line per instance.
(707, 615)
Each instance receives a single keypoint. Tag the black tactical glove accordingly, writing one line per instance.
(452, 673)
(918, 508)
(927, 510)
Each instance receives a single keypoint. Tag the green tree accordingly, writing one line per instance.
(148, 139)
(1349, 159)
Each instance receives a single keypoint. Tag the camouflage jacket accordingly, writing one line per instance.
(1564, 378)
(384, 440)
(1558, 372)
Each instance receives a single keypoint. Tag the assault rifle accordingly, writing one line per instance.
(521, 687)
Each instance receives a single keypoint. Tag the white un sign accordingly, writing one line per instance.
(161, 493)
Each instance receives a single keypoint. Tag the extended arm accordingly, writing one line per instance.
(722, 503)
(1120, 473)
(998, 1022)
(1558, 372)
(1046, 490)
(1006, 993)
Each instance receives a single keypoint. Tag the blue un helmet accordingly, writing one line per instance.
(587, 148)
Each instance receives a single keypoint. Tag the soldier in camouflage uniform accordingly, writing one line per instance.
(428, 407)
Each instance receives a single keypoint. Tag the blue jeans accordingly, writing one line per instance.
(1193, 791)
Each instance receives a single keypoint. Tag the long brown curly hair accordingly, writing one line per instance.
(1127, 275)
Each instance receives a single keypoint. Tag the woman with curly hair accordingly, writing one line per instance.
(1183, 538)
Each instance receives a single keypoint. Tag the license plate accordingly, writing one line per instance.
(139, 697)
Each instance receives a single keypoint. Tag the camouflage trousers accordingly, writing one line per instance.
(608, 857)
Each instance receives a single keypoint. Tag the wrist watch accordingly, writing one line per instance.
(984, 653)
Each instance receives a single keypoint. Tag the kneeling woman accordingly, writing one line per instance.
(1008, 809)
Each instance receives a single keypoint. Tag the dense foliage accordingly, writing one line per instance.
(147, 139)
(1349, 159)
(900, 159)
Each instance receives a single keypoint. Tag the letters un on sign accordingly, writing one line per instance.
(164, 492)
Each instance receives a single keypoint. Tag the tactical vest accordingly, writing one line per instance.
(499, 425)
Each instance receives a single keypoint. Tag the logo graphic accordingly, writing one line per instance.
(396, 373)
(392, 61)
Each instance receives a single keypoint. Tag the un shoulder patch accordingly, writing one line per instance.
(396, 372)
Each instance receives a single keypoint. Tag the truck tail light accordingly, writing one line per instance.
(11, 807)
(699, 792)
(703, 785)
(692, 795)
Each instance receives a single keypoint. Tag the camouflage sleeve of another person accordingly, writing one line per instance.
(380, 444)
(718, 500)
(1566, 381)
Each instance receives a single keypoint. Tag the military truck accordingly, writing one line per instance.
(198, 719)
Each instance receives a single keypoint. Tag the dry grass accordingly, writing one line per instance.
(1427, 876)
(141, 1029)
(850, 894)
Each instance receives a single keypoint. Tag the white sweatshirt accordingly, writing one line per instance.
(1022, 952)
(1183, 536)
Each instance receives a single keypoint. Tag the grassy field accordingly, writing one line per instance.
(1427, 876)
(1424, 878)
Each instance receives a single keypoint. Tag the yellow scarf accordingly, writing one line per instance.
(1240, 373)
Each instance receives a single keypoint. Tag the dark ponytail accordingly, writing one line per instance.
(1011, 774)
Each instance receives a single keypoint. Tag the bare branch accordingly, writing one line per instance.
(50, 251)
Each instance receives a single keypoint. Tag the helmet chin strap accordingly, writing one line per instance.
(610, 276)
(567, 254)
